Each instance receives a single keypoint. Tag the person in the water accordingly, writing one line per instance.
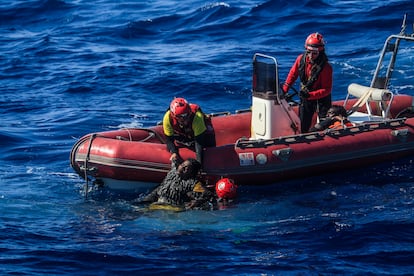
(181, 179)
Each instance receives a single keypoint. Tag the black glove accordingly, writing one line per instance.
(289, 97)
(304, 93)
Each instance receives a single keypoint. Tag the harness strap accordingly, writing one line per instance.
(361, 101)
(315, 71)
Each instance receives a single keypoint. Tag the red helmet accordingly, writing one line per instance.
(225, 188)
(179, 107)
(315, 42)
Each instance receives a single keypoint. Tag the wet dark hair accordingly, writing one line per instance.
(195, 166)
(339, 110)
(322, 57)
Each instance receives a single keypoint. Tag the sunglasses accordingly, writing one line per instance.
(313, 52)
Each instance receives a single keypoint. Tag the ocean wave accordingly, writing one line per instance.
(30, 12)
(72, 67)
(214, 14)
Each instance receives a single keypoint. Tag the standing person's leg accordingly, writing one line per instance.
(323, 105)
(306, 111)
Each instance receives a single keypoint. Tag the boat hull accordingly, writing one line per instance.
(312, 154)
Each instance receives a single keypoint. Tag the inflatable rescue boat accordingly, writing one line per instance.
(263, 145)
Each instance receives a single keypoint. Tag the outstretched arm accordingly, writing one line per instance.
(199, 145)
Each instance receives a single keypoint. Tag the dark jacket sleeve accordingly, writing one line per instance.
(200, 143)
(151, 197)
(324, 124)
(171, 147)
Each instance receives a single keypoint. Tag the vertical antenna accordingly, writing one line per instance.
(404, 25)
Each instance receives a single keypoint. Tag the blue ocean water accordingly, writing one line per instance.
(68, 68)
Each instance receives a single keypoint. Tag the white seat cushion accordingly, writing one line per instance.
(360, 117)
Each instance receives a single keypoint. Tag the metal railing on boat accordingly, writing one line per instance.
(244, 143)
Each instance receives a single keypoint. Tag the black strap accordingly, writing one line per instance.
(316, 70)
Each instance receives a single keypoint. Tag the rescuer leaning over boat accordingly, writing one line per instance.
(186, 125)
(315, 74)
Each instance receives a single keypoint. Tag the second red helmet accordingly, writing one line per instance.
(225, 188)
(179, 107)
(315, 42)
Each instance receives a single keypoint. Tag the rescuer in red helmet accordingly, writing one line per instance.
(205, 197)
(186, 125)
(225, 188)
(226, 192)
(315, 73)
